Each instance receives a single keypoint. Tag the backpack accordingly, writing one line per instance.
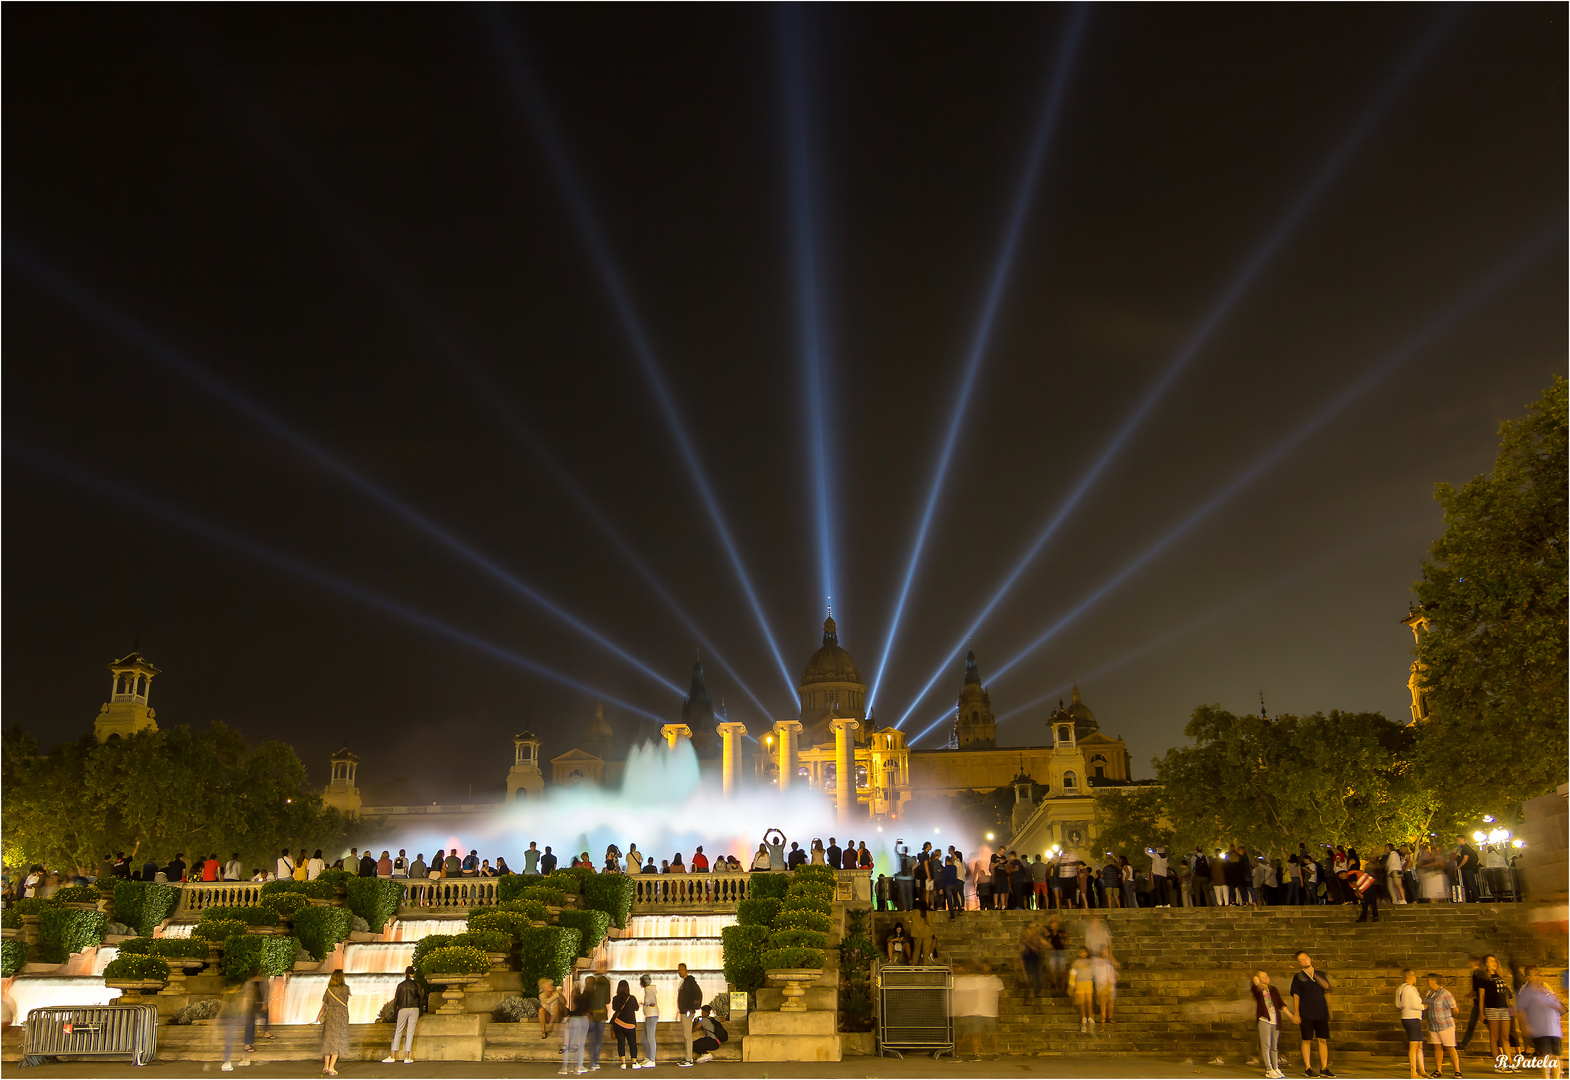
(720, 1034)
(1201, 866)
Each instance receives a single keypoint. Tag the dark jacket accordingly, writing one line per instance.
(367, 865)
(833, 856)
(408, 996)
(547, 863)
(689, 997)
(1259, 1003)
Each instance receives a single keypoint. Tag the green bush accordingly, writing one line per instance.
(612, 894)
(374, 899)
(218, 930)
(544, 894)
(283, 905)
(758, 911)
(510, 887)
(250, 916)
(63, 931)
(591, 926)
(775, 959)
(335, 878)
(530, 909)
(76, 894)
(506, 922)
(136, 966)
(569, 880)
(458, 959)
(170, 948)
(812, 890)
(798, 939)
(547, 952)
(11, 919)
(249, 954)
(802, 920)
(431, 942)
(743, 950)
(142, 905)
(807, 903)
(320, 928)
(312, 890)
(34, 905)
(823, 874)
(768, 886)
(13, 954)
(485, 940)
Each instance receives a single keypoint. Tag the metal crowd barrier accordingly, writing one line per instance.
(93, 1030)
(913, 1010)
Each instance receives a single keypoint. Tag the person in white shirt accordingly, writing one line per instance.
(315, 866)
(401, 864)
(1410, 1004)
(1393, 883)
(1160, 894)
(974, 1004)
(233, 871)
(285, 866)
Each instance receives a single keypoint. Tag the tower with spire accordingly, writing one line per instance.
(127, 712)
(697, 712)
(831, 688)
(974, 726)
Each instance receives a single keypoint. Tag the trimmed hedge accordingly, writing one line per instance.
(531, 909)
(218, 930)
(63, 931)
(510, 887)
(802, 920)
(744, 955)
(335, 878)
(569, 880)
(544, 894)
(13, 954)
(283, 905)
(775, 959)
(547, 952)
(311, 890)
(374, 899)
(249, 954)
(320, 929)
(758, 911)
(591, 926)
(456, 959)
(814, 874)
(767, 886)
(612, 894)
(798, 939)
(11, 919)
(136, 967)
(77, 894)
(142, 905)
(170, 948)
(250, 916)
(33, 905)
(485, 940)
(506, 922)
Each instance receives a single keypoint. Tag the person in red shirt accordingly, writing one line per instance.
(210, 868)
(700, 861)
(1363, 885)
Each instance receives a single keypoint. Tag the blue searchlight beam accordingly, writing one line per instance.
(176, 516)
(599, 248)
(1005, 263)
(1229, 298)
(177, 362)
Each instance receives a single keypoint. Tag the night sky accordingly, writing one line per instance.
(351, 219)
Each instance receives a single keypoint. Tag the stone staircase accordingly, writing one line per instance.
(1184, 987)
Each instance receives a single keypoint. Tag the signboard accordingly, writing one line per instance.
(738, 1002)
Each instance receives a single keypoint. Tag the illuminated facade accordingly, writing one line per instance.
(1417, 620)
(127, 712)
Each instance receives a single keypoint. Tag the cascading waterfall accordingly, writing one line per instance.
(176, 930)
(302, 996)
(655, 944)
(415, 929)
(377, 958)
(29, 992)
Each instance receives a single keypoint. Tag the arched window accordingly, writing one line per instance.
(141, 685)
(1068, 781)
(119, 684)
(1063, 734)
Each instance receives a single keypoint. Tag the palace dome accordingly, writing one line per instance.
(831, 663)
(1079, 713)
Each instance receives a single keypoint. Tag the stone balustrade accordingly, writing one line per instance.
(449, 894)
(689, 891)
(196, 896)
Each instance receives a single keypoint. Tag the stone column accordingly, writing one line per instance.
(672, 732)
(844, 768)
(731, 734)
(787, 731)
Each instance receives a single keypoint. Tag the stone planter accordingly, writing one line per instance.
(7, 933)
(30, 929)
(269, 931)
(796, 981)
(453, 985)
(133, 989)
(500, 961)
(81, 907)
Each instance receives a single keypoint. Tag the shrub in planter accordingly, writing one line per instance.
(824, 874)
(283, 905)
(506, 922)
(430, 943)
(33, 905)
(591, 925)
(320, 929)
(798, 939)
(743, 952)
(567, 880)
(142, 905)
(218, 930)
(335, 878)
(312, 890)
(136, 967)
(250, 916)
(544, 894)
(170, 948)
(76, 894)
(249, 954)
(63, 931)
(510, 886)
(802, 920)
(529, 909)
(455, 960)
(758, 911)
(800, 902)
(485, 940)
(612, 894)
(811, 891)
(11, 919)
(775, 959)
(13, 954)
(767, 886)
(547, 952)
(374, 899)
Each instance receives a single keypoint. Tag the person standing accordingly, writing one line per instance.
(1309, 988)
(774, 839)
(1268, 1010)
(1440, 1012)
(1104, 972)
(1199, 878)
(315, 866)
(624, 1022)
(285, 866)
(597, 989)
(384, 865)
(700, 861)
(1393, 882)
(1082, 986)
(974, 1003)
(576, 1033)
(240, 1019)
(651, 1020)
(1496, 1007)
(833, 854)
(1159, 895)
(1540, 1011)
(531, 858)
(1466, 868)
(408, 1003)
(1409, 1003)
(548, 862)
(1126, 872)
(400, 865)
(1362, 885)
(334, 1018)
(689, 999)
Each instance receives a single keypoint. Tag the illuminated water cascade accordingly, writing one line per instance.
(415, 929)
(302, 996)
(377, 957)
(29, 992)
(676, 926)
(655, 944)
(177, 930)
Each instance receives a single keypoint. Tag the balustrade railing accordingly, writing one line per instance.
(196, 896)
(689, 890)
(450, 894)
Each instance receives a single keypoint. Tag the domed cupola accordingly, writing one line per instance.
(831, 686)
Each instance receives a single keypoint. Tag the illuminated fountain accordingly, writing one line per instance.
(655, 944)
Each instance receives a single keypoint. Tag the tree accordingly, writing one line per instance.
(1493, 660)
(1132, 819)
(1269, 784)
(173, 789)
